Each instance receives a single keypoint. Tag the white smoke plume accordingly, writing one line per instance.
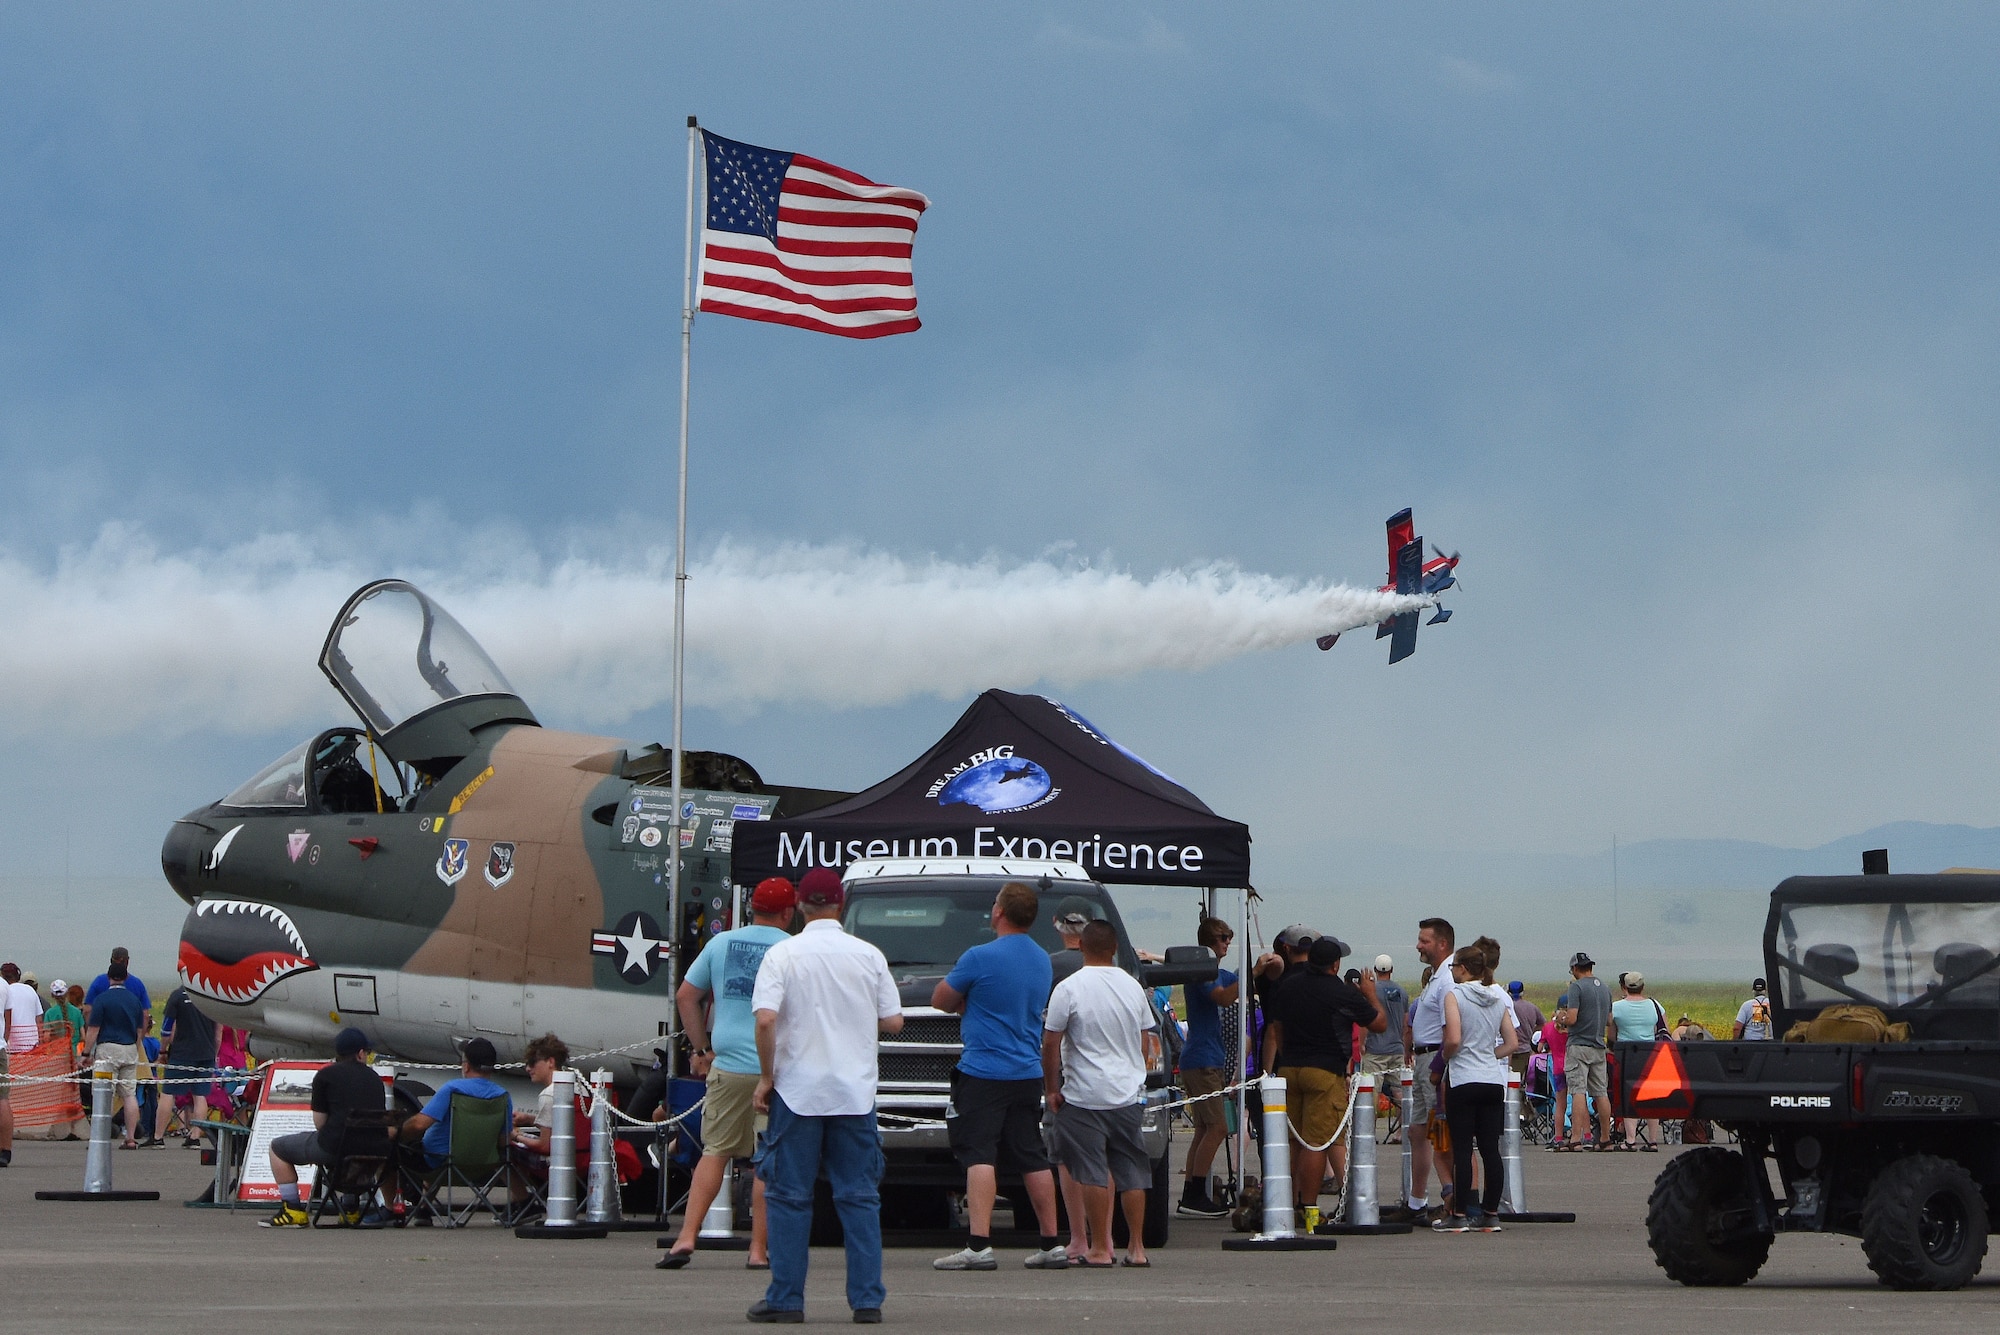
(120, 636)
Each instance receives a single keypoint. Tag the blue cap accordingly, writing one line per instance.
(1515, 987)
(349, 1042)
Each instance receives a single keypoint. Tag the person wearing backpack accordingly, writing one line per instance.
(1639, 1019)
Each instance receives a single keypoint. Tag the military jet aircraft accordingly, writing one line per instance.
(1409, 573)
(449, 867)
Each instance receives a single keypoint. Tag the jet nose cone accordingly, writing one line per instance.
(180, 854)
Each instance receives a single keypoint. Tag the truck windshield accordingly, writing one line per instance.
(927, 925)
(1891, 955)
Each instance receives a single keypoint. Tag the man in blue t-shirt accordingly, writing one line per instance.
(121, 960)
(1002, 990)
(1204, 1070)
(112, 1037)
(475, 1080)
(725, 1054)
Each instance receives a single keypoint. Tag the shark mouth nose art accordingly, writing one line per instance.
(234, 949)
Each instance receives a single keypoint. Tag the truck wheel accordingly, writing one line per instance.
(1698, 1219)
(1923, 1224)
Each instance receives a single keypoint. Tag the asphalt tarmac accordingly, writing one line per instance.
(96, 1265)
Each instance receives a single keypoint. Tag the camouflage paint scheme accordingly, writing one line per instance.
(444, 960)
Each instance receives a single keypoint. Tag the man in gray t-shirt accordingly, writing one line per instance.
(1585, 1015)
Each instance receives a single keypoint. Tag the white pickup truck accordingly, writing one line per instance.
(923, 913)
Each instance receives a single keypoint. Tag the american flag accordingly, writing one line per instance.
(797, 241)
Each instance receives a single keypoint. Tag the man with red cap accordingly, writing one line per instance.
(822, 999)
(721, 982)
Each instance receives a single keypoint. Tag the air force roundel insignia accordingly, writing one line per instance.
(635, 946)
(453, 860)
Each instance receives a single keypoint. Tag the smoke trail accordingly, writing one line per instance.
(120, 636)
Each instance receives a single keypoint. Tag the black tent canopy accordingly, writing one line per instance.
(1017, 776)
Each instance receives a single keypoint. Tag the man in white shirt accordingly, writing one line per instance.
(821, 999)
(1435, 943)
(20, 1030)
(1097, 1038)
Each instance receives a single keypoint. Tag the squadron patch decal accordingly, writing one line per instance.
(295, 843)
(453, 860)
(500, 865)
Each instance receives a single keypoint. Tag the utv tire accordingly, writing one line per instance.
(1923, 1224)
(1698, 1220)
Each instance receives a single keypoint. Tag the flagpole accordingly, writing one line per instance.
(674, 969)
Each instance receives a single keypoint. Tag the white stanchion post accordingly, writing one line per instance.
(97, 1160)
(1277, 1161)
(720, 1221)
(1362, 1207)
(1406, 1081)
(601, 1204)
(562, 1154)
(1514, 1193)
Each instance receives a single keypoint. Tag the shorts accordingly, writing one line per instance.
(123, 1058)
(1315, 1100)
(300, 1149)
(729, 1117)
(1584, 1069)
(1422, 1090)
(1383, 1066)
(1104, 1146)
(991, 1118)
(1206, 1080)
(5, 1065)
(197, 1078)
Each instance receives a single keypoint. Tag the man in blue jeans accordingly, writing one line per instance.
(821, 998)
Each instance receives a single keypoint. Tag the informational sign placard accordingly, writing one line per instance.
(284, 1105)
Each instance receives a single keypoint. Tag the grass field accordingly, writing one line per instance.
(1712, 1005)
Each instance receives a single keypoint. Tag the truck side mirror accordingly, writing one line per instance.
(1183, 964)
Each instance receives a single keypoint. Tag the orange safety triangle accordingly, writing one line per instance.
(1665, 1077)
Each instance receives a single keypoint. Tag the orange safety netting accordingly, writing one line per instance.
(44, 1103)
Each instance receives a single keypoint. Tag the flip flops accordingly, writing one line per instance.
(1084, 1263)
(1130, 1264)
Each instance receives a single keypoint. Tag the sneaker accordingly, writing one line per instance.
(1396, 1214)
(375, 1218)
(1486, 1223)
(1198, 1205)
(288, 1216)
(967, 1259)
(6, 1158)
(1451, 1223)
(1055, 1258)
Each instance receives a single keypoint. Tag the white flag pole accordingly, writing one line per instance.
(673, 929)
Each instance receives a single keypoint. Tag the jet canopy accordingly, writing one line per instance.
(414, 675)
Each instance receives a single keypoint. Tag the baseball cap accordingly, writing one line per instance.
(1325, 952)
(478, 1054)
(1383, 964)
(352, 1040)
(1295, 936)
(1514, 988)
(1074, 912)
(28, 977)
(58, 987)
(1635, 979)
(820, 887)
(774, 895)
(1757, 985)
(1581, 961)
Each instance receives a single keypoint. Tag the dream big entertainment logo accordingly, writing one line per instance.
(995, 780)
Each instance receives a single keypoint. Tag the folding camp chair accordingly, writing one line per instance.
(1539, 1114)
(359, 1163)
(475, 1160)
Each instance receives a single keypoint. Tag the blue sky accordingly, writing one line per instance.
(1680, 323)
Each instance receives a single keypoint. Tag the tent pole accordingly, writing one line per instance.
(1246, 994)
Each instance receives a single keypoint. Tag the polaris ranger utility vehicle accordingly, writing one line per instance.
(1877, 1100)
(923, 913)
